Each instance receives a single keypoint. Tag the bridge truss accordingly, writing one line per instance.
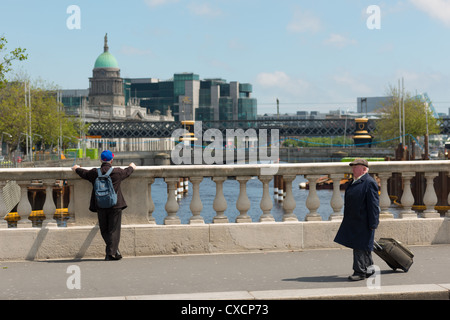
(301, 128)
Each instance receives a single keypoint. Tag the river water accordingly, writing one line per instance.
(231, 193)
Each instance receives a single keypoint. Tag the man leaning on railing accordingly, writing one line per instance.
(109, 219)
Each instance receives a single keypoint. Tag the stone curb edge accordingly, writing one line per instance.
(398, 292)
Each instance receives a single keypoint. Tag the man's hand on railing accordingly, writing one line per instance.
(75, 167)
(132, 165)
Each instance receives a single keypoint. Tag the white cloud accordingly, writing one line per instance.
(204, 9)
(157, 3)
(269, 86)
(339, 41)
(304, 21)
(353, 84)
(421, 81)
(439, 9)
(281, 80)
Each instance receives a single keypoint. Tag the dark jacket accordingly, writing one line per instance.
(117, 175)
(361, 214)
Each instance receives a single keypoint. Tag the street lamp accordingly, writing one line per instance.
(427, 154)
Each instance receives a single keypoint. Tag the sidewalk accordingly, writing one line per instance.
(309, 274)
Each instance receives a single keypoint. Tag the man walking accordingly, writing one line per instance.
(109, 219)
(361, 218)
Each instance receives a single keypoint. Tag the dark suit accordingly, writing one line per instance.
(109, 219)
(361, 218)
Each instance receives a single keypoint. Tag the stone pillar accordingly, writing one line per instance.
(336, 200)
(220, 204)
(447, 214)
(49, 205)
(24, 206)
(430, 199)
(385, 201)
(289, 202)
(266, 203)
(312, 201)
(407, 199)
(82, 194)
(196, 203)
(150, 204)
(172, 204)
(243, 203)
(3, 210)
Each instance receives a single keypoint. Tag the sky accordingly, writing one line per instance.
(311, 55)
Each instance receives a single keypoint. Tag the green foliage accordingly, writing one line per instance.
(7, 59)
(415, 119)
(319, 142)
(48, 120)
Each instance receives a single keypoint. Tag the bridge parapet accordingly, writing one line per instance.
(137, 190)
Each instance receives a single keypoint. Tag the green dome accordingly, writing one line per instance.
(106, 60)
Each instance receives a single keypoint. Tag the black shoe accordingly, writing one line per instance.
(370, 273)
(356, 277)
(110, 257)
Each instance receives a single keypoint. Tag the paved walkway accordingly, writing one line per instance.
(273, 275)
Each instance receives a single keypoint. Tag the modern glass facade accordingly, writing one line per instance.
(247, 109)
(212, 99)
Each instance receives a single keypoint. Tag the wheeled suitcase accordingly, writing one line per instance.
(395, 254)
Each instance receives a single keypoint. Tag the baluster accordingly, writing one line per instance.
(243, 203)
(150, 203)
(289, 202)
(312, 201)
(385, 201)
(407, 199)
(336, 200)
(3, 210)
(172, 204)
(266, 203)
(24, 206)
(49, 205)
(430, 199)
(220, 203)
(196, 203)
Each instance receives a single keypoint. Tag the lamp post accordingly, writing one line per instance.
(427, 152)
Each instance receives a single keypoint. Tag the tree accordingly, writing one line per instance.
(48, 120)
(6, 60)
(415, 118)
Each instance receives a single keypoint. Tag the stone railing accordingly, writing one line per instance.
(137, 191)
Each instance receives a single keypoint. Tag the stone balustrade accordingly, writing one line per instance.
(137, 191)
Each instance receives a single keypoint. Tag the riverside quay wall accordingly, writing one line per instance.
(81, 238)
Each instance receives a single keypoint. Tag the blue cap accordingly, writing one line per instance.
(107, 155)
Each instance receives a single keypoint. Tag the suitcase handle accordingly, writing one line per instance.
(376, 245)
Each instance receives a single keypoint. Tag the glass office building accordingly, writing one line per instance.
(190, 98)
